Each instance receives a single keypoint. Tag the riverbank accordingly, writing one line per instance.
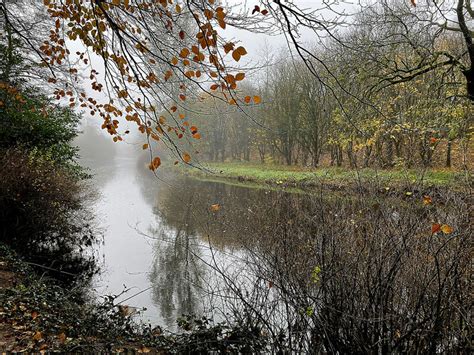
(39, 313)
(291, 176)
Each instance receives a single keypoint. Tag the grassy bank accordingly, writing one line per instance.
(337, 177)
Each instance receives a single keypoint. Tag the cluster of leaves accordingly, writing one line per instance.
(31, 121)
(179, 49)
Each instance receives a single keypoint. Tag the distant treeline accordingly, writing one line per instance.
(356, 113)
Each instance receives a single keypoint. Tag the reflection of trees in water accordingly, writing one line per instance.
(357, 273)
(177, 272)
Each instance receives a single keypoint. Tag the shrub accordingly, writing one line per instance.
(43, 210)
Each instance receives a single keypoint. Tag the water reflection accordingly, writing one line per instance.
(291, 256)
(177, 271)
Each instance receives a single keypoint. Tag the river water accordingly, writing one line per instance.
(163, 241)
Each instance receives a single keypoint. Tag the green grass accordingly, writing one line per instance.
(298, 176)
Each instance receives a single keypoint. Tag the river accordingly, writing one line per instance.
(163, 240)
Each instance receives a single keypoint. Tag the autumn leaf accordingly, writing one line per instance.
(62, 338)
(236, 56)
(145, 146)
(257, 99)
(186, 157)
(215, 207)
(446, 229)
(247, 99)
(436, 227)
(184, 53)
(156, 162)
(427, 200)
(240, 76)
(241, 50)
(38, 336)
(143, 349)
(34, 315)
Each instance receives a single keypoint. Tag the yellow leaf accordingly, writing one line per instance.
(215, 207)
(178, 8)
(427, 200)
(446, 229)
(145, 146)
(257, 99)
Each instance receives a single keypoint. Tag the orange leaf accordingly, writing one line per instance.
(446, 229)
(215, 207)
(38, 336)
(156, 162)
(257, 99)
(236, 55)
(240, 76)
(184, 52)
(427, 200)
(247, 99)
(241, 50)
(436, 227)
(145, 146)
(186, 157)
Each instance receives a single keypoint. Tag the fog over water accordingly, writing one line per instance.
(156, 234)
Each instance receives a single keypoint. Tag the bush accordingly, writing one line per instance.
(368, 273)
(31, 121)
(43, 211)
